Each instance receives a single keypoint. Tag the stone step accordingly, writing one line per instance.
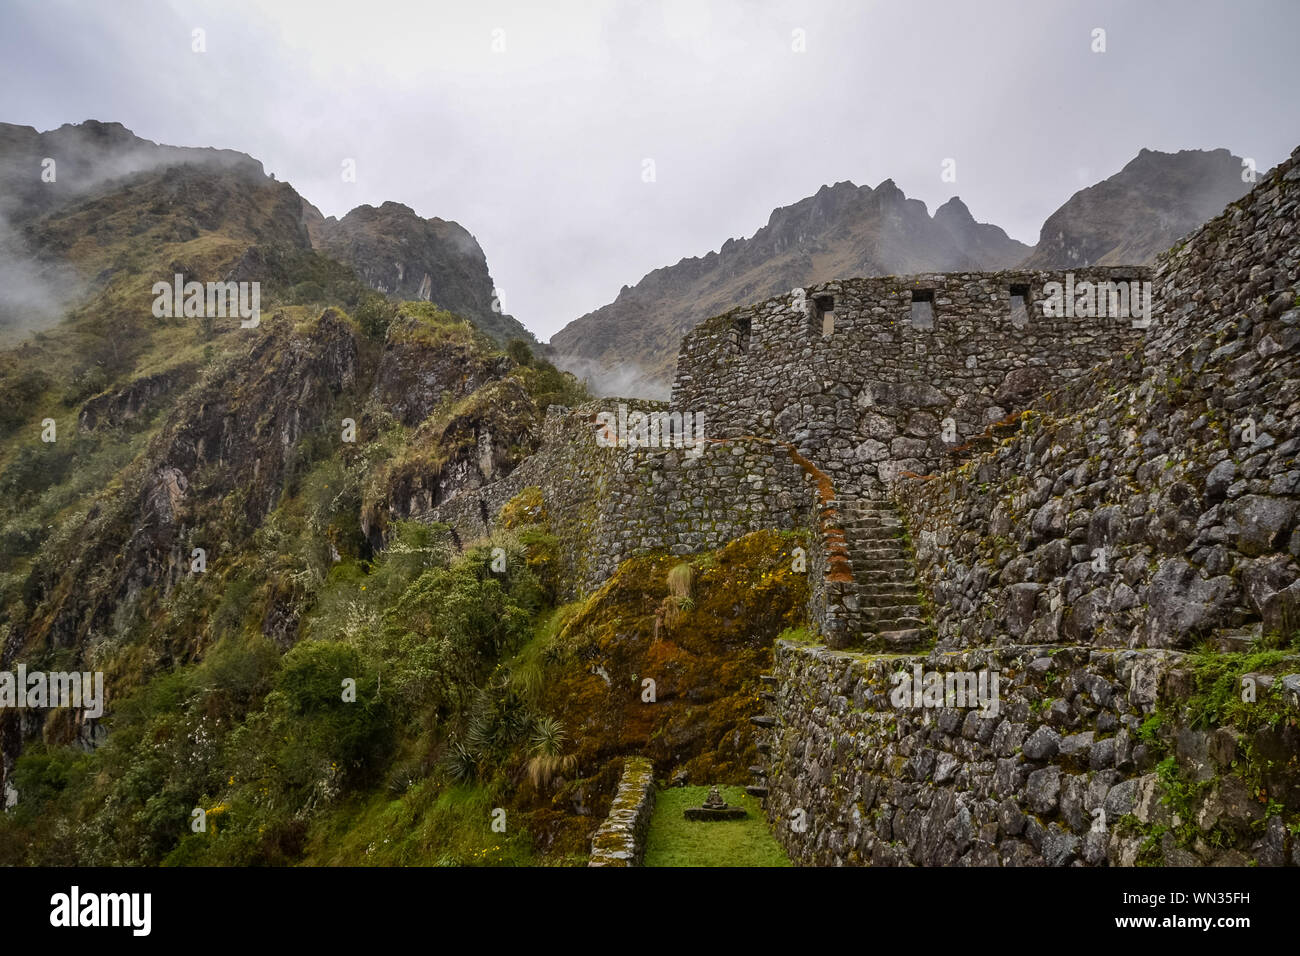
(763, 720)
(763, 747)
(767, 678)
(905, 639)
(871, 556)
(898, 586)
(767, 695)
(904, 573)
(901, 597)
(863, 537)
(901, 623)
(881, 504)
(758, 771)
(875, 538)
(867, 542)
(875, 562)
(884, 612)
(1232, 640)
(885, 578)
(903, 589)
(755, 791)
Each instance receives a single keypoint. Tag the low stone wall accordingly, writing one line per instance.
(607, 504)
(1067, 772)
(620, 840)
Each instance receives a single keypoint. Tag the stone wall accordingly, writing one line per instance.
(1066, 773)
(620, 840)
(1121, 553)
(869, 400)
(608, 503)
(1153, 502)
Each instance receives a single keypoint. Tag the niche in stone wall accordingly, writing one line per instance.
(1019, 306)
(824, 314)
(740, 330)
(923, 309)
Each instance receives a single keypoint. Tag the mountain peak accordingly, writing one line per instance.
(954, 209)
(841, 230)
(1131, 217)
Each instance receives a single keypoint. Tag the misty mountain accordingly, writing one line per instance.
(630, 345)
(138, 199)
(42, 171)
(1140, 211)
(87, 207)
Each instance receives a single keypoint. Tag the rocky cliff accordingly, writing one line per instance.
(398, 253)
(1141, 211)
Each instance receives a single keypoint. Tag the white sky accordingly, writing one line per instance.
(538, 150)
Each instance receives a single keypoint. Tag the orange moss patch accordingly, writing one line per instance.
(705, 669)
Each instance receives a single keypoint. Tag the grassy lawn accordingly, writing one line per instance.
(675, 841)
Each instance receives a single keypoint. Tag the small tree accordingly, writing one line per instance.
(519, 350)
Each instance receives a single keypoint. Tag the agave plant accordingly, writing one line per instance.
(546, 746)
(462, 763)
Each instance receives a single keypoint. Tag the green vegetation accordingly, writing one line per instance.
(676, 841)
(412, 695)
(1222, 697)
(1217, 698)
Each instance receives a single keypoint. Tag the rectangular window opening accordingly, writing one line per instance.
(1019, 306)
(923, 309)
(824, 314)
(740, 330)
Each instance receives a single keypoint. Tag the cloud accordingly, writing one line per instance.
(34, 291)
(537, 149)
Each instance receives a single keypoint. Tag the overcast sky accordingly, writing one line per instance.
(539, 148)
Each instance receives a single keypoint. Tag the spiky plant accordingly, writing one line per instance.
(546, 747)
(679, 599)
(461, 762)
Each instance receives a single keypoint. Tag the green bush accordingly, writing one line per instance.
(374, 315)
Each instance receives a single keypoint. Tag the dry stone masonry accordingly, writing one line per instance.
(862, 379)
(620, 840)
(1075, 504)
(1137, 514)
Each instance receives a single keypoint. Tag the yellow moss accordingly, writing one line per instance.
(524, 508)
(704, 669)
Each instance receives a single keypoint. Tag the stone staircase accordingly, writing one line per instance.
(765, 723)
(890, 614)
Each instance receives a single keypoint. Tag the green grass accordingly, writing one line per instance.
(675, 841)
